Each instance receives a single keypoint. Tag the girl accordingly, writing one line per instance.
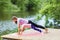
(26, 24)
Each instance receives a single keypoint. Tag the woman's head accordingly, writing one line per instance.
(14, 18)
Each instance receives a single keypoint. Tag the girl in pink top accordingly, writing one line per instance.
(23, 23)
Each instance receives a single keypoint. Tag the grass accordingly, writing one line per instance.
(7, 32)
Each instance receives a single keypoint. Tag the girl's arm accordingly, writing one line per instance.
(19, 29)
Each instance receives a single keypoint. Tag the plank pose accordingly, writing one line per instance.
(23, 23)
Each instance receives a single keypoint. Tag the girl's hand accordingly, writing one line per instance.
(18, 33)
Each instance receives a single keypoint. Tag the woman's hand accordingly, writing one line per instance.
(19, 30)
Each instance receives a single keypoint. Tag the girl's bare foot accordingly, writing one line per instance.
(46, 30)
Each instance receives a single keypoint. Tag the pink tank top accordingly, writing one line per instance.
(22, 21)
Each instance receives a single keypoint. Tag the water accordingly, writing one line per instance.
(7, 24)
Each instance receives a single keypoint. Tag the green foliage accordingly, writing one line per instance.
(34, 6)
(7, 7)
(48, 8)
(30, 6)
(14, 2)
(22, 5)
(51, 9)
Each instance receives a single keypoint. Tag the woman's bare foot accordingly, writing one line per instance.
(46, 30)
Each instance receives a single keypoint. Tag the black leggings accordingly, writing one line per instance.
(38, 26)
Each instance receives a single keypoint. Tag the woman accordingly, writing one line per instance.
(23, 23)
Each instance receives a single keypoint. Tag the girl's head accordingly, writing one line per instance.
(14, 18)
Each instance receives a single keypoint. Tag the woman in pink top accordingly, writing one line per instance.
(23, 23)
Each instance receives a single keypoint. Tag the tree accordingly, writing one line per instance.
(51, 9)
(6, 8)
(30, 6)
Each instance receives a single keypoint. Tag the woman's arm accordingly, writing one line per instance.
(19, 29)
